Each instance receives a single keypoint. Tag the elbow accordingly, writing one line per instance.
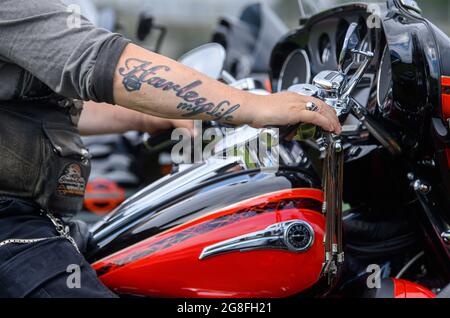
(89, 74)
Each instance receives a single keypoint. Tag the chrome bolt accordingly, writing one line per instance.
(420, 186)
(338, 146)
(322, 144)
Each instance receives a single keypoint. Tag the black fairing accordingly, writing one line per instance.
(414, 63)
(412, 113)
(151, 211)
(418, 57)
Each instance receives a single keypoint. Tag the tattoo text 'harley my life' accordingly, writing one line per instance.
(137, 72)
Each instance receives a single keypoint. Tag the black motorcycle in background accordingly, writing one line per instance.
(248, 41)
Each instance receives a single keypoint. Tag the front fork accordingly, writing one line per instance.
(333, 178)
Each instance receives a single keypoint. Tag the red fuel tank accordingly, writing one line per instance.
(267, 246)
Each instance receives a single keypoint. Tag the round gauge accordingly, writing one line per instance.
(384, 85)
(325, 49)
(296, 70)
(340, 35)
(299, 236)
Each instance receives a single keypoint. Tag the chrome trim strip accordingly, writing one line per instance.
(158, 193)
(382, 105)
(277, 236)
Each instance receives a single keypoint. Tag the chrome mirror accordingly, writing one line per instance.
(208, 59)
(349, 46)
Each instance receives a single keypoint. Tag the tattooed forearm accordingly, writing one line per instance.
(136, 72)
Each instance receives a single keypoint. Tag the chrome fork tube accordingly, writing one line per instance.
(333, 183)
(328, 188)
(339, 199)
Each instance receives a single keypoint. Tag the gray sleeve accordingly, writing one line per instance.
(75, 62)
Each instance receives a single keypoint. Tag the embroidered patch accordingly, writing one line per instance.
(71, 183)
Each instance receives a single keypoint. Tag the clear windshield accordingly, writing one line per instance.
(310, 7)
(437, 11)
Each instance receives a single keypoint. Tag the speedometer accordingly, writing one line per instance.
(296, 70)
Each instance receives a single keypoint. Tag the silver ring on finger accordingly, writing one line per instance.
(312, 107)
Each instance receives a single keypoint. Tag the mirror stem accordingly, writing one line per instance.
(355, 79)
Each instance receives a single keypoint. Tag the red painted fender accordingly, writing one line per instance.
(405, 289)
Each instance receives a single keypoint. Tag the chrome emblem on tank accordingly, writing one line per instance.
(295, 236)
(298, 236)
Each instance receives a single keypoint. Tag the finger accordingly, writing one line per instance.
(326, 109)
(188, 124)
(317, 119)
(323, 108)
(331, 117)
(330, 113)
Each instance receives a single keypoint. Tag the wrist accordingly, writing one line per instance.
(252, 109)
(142, 123)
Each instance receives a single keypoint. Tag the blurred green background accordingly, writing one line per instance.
(191, 22)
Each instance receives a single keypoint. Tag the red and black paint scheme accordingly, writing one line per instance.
(156, 250)
(169, 264)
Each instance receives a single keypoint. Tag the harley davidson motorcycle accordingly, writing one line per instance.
(226, 228)
(249, 40)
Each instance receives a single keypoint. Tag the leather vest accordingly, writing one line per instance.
(42, 157)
